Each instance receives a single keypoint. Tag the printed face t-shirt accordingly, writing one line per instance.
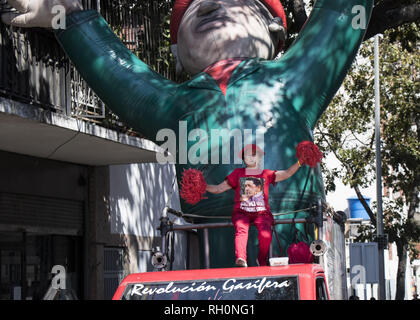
(251, 191)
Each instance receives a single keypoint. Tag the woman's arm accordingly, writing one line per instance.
(285, 174)
(216, 189)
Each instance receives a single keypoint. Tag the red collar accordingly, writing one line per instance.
(222, 70)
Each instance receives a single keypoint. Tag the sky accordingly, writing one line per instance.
(338, 199)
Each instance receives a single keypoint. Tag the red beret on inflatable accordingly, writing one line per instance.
(180, 6)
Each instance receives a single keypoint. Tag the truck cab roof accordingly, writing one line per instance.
(299, 278)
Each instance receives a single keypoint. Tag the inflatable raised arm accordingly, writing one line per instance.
(314, 67)
(128, 86)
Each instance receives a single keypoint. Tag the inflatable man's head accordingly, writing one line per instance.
(206, 31)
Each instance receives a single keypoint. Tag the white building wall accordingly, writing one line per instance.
(138, 195)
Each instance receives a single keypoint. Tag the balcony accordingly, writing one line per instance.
(44, 102)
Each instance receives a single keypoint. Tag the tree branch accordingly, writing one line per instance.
(386, 16)
(356, 188)
(372, 139)
(297, 7)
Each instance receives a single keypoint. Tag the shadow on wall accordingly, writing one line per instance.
(138, 195)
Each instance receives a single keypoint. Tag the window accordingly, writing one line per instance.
(321, 289)
(113, 270)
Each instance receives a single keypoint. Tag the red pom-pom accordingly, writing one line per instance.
(193, 186)
(308, 153)
(299, 253)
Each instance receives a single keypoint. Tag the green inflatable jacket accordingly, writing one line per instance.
(282, 98)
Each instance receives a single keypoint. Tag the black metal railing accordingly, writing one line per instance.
(35, 70)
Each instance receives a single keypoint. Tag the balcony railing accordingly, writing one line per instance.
(35, 70)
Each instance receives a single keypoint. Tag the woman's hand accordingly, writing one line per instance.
(38, 13)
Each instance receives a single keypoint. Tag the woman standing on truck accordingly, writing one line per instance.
(251, 185)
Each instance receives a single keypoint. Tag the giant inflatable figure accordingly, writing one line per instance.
(228, 46)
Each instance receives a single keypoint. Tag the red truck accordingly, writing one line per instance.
(288, 282)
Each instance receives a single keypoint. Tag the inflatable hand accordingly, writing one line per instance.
(193, 186)
(37, 13)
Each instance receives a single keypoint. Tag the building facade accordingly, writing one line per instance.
(78, 189)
